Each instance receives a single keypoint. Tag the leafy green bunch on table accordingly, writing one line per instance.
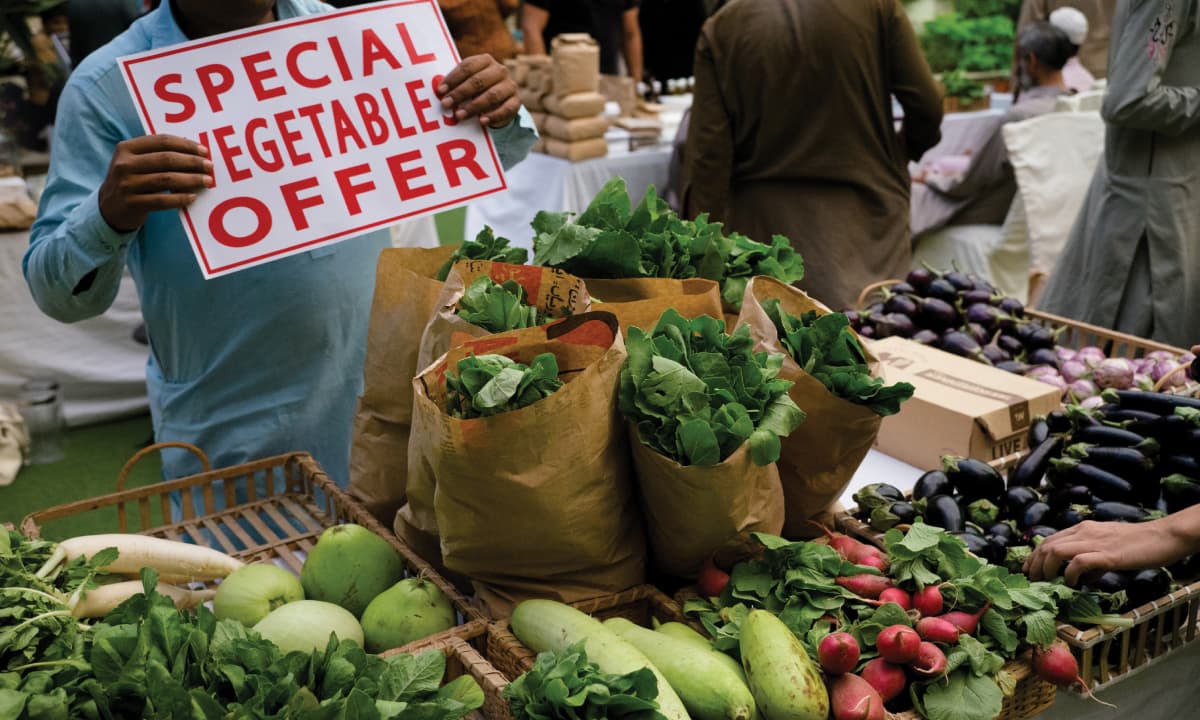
(486, 246)
(697, 393)
(809, 586)
(487, 385)
(826, 348)
(567, 686)
(613, 239)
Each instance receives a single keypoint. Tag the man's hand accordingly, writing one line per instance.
(1093, 547)
(149, 173)
(481, 87)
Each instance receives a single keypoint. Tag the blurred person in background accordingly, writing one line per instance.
(1093, 52)
(792, 133)
(613, 24)
(1076, 77)
(984, 191)
(675, 26)
(1137, 237)
(477, 26)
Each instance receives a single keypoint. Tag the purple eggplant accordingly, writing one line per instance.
(1194, 370)
(1011, 345)
(1062, 497)
(1035, 336)
(978, 333)
(942, 290)
(974, 479)
(995, 354)
(961, 281)
(1148, 585)
(1103, 484)
(1125, 462)
(873, 309)
(866, 331)
(1033, 514)
(1039, 432)
(1043, 356)
(919, 279)
(1180, 491)
(942, 511)
(894, 325)
(934, 482)
(903, 304)
(1018, 498)
(937, 314)
(1119, 512)
(1042, 531)
(1069, 516)
(1115, 437)
(854, 317)
(1013, 307)
(1160, 403)
(1002, 529)
(984, 314)
(926, 337)
(902, 288)
(972, 297)
(1013, 366)
(963, 345)
(1032, 468)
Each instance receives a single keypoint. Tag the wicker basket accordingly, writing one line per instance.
(464, 657)
(1073, 333)
(278, 521)
(1030, 696)
(639, 605)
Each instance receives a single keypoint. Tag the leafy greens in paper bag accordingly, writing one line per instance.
(492, 384)
(696, 393)
(485, 246)
(499, 307)
(825, 347)
(612, 239)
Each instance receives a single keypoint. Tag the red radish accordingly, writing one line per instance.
(875, 561)
(937, 630)
(868, 586)
(896, 595)
(713, 580)
(928, 601)
(838, 653)
(930, 662)
(853, 698)
(898, 644)
(966, 622)
(1057, 666)
(888, 680)
(853, 550)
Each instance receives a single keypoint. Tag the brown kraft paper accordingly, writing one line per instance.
(536, 502)
(579, 105)
(553, 292)
(574, 130)
(820, 457)
(577, 151)
(640, 302)
(692, 510)
(576, 59)
(406, 294)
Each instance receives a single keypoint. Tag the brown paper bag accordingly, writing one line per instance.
(577, 151)
(406, 295)
(579, 105)
(639, 302)
(692, 511)
(552, 291)
(576, 59)
(536, 502)
(573, 130)
(821, 456)
(531, 99)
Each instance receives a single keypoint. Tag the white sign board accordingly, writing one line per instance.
(319, 128)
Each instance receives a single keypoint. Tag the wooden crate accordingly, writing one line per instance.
(640, 605)
(464, 656)
(1030, 697)
(277, 520)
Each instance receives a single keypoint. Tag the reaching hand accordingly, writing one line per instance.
(1094, 547)
(149, 173)
(481, 87)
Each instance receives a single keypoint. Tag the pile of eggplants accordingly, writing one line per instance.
(1134, 458)
(964, 315)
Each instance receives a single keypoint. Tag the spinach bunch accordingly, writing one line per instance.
(696, 393)
(826, 348)
(485, 246)
(613, 239)
(566, 686)
(487, 385)
(498, 307)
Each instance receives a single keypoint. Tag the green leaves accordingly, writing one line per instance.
(485, 246)
(611, 239)
(488, 385)
(963, 696)
(825, 347)
(498, 307)
(697, 394)
(566, 686)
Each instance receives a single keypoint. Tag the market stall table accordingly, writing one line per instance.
(1164, 689)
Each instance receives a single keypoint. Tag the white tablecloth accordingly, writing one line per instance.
(101, 369)
(541, 182)
(1167, 690)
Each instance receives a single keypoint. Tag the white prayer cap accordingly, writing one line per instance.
(1072, 22)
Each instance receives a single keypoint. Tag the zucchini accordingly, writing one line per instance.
(708, 688)
(785, 682)
(548, 625)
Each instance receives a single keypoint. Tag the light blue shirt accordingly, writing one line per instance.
(264, 361)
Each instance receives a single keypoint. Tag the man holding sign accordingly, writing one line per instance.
(247, 180)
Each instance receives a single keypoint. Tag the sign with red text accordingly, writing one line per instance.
(320, 128)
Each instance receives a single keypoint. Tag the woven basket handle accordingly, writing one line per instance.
(124, 474)
(870, 290)
(1158, 386)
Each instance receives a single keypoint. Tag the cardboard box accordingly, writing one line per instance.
(960, 407)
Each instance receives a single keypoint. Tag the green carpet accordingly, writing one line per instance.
(95, 455)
